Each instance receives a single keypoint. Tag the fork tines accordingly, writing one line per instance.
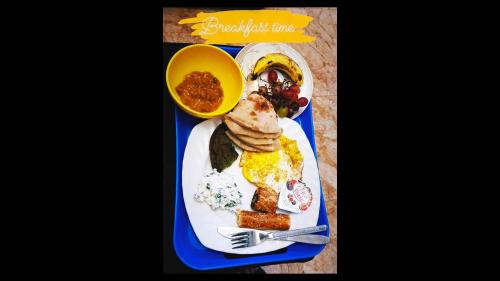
(241, 240)
(239, 234)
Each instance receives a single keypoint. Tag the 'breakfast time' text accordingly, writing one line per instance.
(211, 26)
(248, 26)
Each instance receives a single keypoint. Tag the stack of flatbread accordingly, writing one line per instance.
(253, 125)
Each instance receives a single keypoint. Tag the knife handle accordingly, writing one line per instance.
(309, 239)
(300, 231)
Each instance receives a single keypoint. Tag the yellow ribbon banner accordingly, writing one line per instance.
(250, 26)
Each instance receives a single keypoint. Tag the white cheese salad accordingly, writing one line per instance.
(219, 191)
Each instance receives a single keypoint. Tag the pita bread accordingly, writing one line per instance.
(241, 144)
(261, 148)
(254, 141)
(239, 130)
(257, 114)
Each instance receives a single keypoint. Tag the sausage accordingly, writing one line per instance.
(265, 200)
(249, 219)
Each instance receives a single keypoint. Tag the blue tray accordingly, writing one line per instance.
(187, 246)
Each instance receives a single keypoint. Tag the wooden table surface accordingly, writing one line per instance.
(321, 56)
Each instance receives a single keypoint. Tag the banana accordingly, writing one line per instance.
(281, 62)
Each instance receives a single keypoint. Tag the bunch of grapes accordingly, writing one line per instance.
(284, 96)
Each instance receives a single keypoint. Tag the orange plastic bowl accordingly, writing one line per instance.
(203, 57)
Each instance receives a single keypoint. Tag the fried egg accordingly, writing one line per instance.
(273, 169)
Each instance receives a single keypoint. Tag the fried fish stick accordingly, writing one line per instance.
(249, 219)
(265, 200)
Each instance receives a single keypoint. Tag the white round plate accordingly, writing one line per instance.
(205, 221)
(248, 56)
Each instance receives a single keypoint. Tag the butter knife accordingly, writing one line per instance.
(304, 238)
(309, 239)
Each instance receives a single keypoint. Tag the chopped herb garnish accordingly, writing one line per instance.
(230, 205)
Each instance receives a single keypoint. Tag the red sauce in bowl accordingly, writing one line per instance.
(200, 91)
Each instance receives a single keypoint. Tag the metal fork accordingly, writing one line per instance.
(254, 237)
